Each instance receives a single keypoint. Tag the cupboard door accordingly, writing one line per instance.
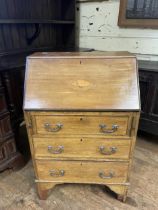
(146, 90)
(149, 102)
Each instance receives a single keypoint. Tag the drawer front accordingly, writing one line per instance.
(82, 171)
(81, 148)
(82, 125)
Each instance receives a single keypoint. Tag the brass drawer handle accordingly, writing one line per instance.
(57, 173)
(57, 150)
(103, 176)
(111, 151)
(103, 128)
(49, 128)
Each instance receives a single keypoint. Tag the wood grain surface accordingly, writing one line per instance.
(92, 54)
(82, 123)
(43, 165)
(82, 171)
(142, 194)
(81, 81)
(81, 148)
(69, 96)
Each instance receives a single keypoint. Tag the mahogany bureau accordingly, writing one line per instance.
(82, 113)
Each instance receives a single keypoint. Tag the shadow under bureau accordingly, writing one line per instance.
(82, 114)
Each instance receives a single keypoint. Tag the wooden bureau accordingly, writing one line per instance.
(82, 114)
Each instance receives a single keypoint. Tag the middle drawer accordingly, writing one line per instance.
(81, 148)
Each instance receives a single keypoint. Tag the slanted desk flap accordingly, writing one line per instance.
(81, 81)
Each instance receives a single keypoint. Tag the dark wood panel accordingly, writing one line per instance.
(9, 156)
(19, 21)
(41, 9)
(34, 25)
(17, 37)
(5, 127)
(148, 76)
(155, 104)
(14, 82)
(26, 27)
(145, 90)
(3, 104)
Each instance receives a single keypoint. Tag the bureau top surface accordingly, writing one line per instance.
(81, 81)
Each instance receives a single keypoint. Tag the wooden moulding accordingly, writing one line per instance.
(33, 21)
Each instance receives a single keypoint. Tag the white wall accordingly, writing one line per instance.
(105, 35)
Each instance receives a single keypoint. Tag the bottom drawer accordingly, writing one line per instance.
(82, 171)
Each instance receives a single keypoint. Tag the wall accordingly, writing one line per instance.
(97, 28)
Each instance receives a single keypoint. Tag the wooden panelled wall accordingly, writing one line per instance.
(27, 26)
(32, 25)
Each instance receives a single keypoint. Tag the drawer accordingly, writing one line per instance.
(81, 148)
(102, 125)
(82, 171)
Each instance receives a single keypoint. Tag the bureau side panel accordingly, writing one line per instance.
(134, 129)
(28, 121)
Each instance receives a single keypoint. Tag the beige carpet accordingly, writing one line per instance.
(17, 189)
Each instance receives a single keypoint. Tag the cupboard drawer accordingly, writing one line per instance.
(101, 125)
(82, 171)
(90, 148)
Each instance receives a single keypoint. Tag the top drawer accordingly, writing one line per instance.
(67, 124)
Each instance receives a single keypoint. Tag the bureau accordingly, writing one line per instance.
(82, 114)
